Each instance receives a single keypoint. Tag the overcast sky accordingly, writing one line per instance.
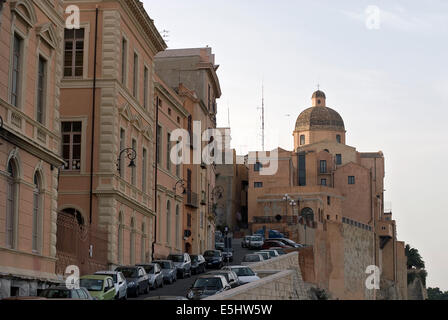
(389, 84)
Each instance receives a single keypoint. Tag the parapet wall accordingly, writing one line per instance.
(284, 283)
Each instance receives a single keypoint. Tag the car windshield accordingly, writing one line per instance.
(225, 274)
(129, 273)
(194, 258)
(256, 239)
(149, 268)
(264, 254)
(55, 294)
(211, 254)
(176, 258)
(243, 272)
(114, 276)
(207, 283)
(251, 258)
(164, 264)
(91, 284)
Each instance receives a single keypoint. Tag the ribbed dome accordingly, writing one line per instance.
(320, 118)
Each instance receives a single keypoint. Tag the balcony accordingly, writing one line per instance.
(384, 229)
(192, 199)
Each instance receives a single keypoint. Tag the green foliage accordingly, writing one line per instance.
(437, 294)
(414, 259)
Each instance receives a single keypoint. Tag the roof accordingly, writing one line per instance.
(320, 118)
(319, 94)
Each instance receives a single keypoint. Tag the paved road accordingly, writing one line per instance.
(180, 288)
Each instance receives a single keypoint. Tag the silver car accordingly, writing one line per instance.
(252, 258)
(121, 286)
(255, 242)
(155, 275)
(182, 261)
(169, 270)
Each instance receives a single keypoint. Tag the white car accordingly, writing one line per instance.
(253, 258)
(120, 283)
(244, 273)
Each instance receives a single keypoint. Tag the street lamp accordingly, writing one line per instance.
(131, 154)
(182, 184)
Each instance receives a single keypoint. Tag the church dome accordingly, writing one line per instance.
(320, 118)
(319, 94)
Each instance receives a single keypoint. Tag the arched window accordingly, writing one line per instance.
(120, 238)
(168, 222)
(143, 243)
(11, 204)
(338, 138)
(302, 139)
(177, 227)
(307, 214)
(132, 242)
(37, 209)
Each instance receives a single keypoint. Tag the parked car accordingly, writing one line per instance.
(182, 261)
(120, 284)
(136, 278)
(272, 253)
(279, 250)
(166, 298)
(264, 254)
(288, 242)
(62, 292)
(252, 258)
(255, 242)
(99, 286)
(231, 276)
(274, 243)
(227, 254)
(214, 259)
(155, 275)
(198, 264)
(245, 274)
(169, 270)
(219, 244)
(206, 286)
(245, 242)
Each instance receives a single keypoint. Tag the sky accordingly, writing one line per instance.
(383, 68)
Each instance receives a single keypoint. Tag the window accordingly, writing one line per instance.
(329, 200)
(135, 77)
(144, 170)
(189, 220)
(339, 159)
(134, 169)
(159, 144)
(169, 111)
(124, 58)
(302, 169)
(71, 145)
(41, 88)
(73, 52)
(168, 150)
(145, 87)
(338, 138)
(11, 203)
(178, 120)
(258, 166)
(168, 222)
(16, 70)
(37, 208)
(142, 243)
(302, 139)
(201, 220)
(323, 166)
(323, 182)
(351, 180)
(159, 219)
(122, 146)
(190, 129)
(209, 97)
(258, 184)
(188, 180)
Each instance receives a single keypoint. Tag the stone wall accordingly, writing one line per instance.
(281, 279)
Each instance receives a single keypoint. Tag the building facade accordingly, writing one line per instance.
(329, 196)
(106, 198)
(30, 80)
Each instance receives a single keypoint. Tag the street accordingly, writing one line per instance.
(181, 286)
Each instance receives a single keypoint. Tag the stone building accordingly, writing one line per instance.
(106, 198)
(329, 196)
(192, 74)
(30, 80)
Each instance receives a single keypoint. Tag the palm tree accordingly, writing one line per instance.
(414, 259)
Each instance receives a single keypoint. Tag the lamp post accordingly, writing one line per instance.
(131, 154)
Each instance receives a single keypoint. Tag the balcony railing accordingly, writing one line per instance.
(192, 199)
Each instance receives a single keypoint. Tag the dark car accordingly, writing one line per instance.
(230, 276)
(214, 259)
(62, 292)
(274, 243)
(155, 275)
(136, 278)
(198, 264)
(206, 286)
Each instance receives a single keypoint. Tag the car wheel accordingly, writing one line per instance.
(125, 296)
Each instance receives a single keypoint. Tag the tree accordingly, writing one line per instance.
(437, 294)
(414, 259)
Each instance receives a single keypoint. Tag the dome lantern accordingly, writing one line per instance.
(319, 99)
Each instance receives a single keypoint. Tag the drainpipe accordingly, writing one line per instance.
(156, 180)
(93, 115)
